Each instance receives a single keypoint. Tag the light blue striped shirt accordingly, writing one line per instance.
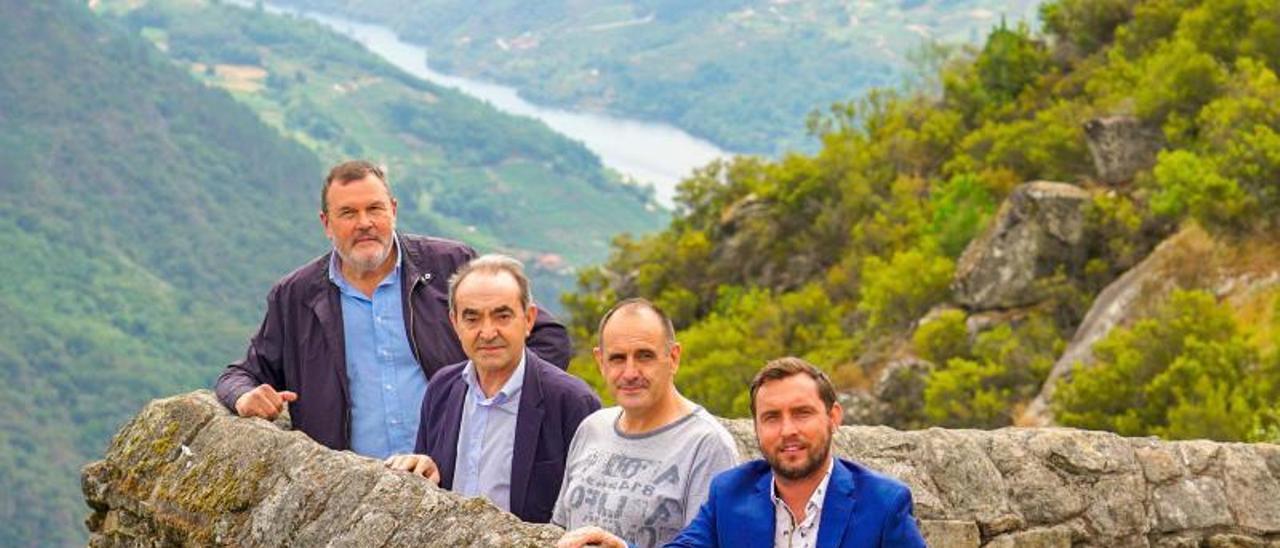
(487, 438)
(384, 379)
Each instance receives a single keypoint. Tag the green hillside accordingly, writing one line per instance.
(741, 73)
(461, 168)
(141, 209)
(836, 256)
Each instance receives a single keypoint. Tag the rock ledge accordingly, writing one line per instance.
(185, 471)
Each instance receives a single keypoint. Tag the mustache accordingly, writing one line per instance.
(367, 234)
(638, 383)
(495, 341)
(795, 440)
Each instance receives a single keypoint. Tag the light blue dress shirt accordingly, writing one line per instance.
(487, 438)
(383, 377)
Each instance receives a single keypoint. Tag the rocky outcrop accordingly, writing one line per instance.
(1115, 305)
(1037, 232)
(1121, 147)
(745, 238)
(895, 399)
(1236, 272)
(185, 471)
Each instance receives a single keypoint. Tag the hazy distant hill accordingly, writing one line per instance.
(743, 73)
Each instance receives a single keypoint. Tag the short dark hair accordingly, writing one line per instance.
(492, 263)
(782, 368)
(668, 329)
(351, 170)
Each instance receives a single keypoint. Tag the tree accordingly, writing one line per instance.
(1010, 61)
(899, 291)
(1189, 184)
(1085, 25)
(986, 385)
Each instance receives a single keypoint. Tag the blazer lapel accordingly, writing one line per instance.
(446, 456)
(529, 416)
(837, 506)
(759, 529)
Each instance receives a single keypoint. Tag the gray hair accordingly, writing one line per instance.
(492, 263)
(352, 170)
(637, 303)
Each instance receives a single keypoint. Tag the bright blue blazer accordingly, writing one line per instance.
(861, 508)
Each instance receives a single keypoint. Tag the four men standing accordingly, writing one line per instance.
(360, 342)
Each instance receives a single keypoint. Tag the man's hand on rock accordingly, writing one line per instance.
(590, 536)
(263, 401)
(421, 465)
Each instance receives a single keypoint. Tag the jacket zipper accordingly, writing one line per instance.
(413, 341)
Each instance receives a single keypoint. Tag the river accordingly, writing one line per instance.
(652, 153)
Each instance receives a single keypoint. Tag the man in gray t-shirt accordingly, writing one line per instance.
(639, 472)
(643, 487)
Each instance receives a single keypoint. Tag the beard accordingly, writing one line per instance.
(365, 261)
(815, 457)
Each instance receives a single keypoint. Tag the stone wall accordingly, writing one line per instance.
(184, 471)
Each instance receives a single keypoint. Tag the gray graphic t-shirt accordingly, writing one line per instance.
(644, 488)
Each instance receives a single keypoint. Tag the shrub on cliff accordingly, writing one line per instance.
(1186, 372)
(986, 385)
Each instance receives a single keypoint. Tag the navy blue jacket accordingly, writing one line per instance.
(300, 345)
(861, 509)
(552, 403)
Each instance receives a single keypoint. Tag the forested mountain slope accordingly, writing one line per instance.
(141, 208)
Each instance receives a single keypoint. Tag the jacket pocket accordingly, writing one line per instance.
(544, 488)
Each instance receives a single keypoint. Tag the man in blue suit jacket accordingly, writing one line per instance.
(499, 424)
(799, 495)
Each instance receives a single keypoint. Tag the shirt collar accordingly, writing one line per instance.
(814, 506)
(507, 393)
(335, 273)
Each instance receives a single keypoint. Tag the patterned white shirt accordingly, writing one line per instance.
(789, 534)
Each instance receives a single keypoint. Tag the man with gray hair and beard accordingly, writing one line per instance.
(640, 470)
(351, 340)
